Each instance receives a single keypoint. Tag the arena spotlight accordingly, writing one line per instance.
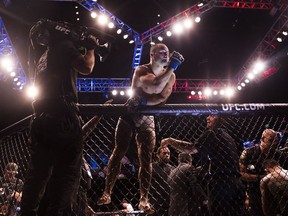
(103, 19)
(250, 76)
(125, 36)
(111, 25)
(188, 23)
(169, 33)
(177, 28)
(114, 92)
(197, 19)
(12, 74)
(239, 87)
(285, 33)
(255, 71)
(229, 92)
(160, 38)
(122, 93)
(119, 31)
(131, 41)
(7, 63)
(32, 92)
(193, 92)
(207, 92)
(215, 92)
(129, 92)
(279, 39)
(259, 65)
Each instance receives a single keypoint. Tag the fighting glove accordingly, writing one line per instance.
(175, 60)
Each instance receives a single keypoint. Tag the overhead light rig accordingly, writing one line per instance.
(253, 4)
(102, 84)
(195, 89)
(196, 9)
(10, 67)
(266, 48)
(118, 24)
(181, 85)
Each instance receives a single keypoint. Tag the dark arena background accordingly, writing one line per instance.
(218, 76)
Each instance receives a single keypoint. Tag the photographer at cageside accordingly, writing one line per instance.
(46, 31)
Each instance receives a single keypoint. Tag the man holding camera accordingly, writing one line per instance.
(56, 133)
(152, 85)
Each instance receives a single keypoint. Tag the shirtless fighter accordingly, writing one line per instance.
(152, 85)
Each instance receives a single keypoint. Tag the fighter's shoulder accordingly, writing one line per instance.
(143, 69)
(265, 179)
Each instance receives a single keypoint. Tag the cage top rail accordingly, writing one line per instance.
(188, 109)
(172, 109)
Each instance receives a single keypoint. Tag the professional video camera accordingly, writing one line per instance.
(45, 32)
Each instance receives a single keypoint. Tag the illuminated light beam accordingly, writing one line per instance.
(6, 49)
(267, 47)
(92, 5)
(155, 31)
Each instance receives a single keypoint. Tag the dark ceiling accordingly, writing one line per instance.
(216, 48)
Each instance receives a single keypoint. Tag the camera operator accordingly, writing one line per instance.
(56, 133)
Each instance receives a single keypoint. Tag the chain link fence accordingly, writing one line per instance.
(243, 122)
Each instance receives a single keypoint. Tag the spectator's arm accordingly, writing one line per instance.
(179, 145)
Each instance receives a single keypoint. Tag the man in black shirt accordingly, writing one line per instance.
(56, 133)
(218, 154)
(160, 191)
(186, 195)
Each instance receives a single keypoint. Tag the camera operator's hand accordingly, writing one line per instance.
(175, 60)
(91, 42)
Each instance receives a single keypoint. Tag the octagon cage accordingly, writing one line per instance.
(185, 122)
